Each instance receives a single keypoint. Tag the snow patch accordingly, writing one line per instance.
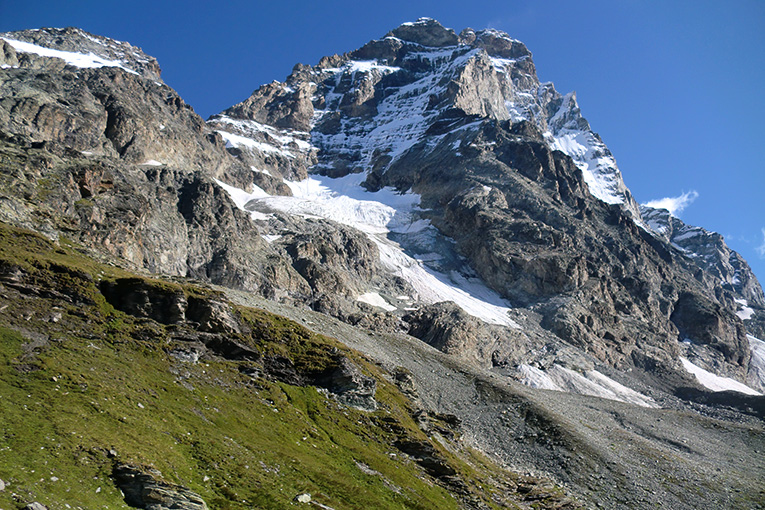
(81, 60)
(746, 312)
(270, 238)
(241, 198)
(471, 295)
(757, 362)
(597, 164)
(375, 299)
(259, 171)
(233, 140)
(715, 382)
(591, 383)
(536, 378)
(365, 66)
(152, 162)
(284, 137)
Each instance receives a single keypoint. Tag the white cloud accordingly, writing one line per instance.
(761, 248)
(674, 205)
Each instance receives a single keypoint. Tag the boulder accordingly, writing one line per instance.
(142, 490)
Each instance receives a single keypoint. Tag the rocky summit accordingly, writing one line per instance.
(408, 276)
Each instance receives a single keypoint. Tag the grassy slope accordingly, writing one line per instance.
(80, 381)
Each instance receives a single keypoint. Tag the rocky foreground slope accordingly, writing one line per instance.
(426, 201)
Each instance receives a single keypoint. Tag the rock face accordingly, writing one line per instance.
(505, 168)
(143, 490)
(121, 161)
(709, 251)
(351, 387)
(114, 158)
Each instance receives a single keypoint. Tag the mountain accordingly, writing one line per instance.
(511, 327)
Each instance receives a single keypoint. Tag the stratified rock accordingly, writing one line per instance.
(350, 385)
(142, 298)
(213, 316)
(143, 490)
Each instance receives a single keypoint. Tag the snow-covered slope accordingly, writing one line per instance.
(715, 382)
(80, 49)
(402, 117)
(377, 214)
(591, 382)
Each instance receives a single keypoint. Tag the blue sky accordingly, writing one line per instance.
(674, 88)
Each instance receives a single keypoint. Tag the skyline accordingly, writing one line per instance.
(674, 90)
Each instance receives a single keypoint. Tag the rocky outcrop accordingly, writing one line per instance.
(350, 386)
(294, 112)
(707, 323)
(719, 263)
(142, 489)
(450, 329)
(477, 90)
(75, 40)
(427, 32)
(118, 161)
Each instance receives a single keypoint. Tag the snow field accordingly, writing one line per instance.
(591, 383)
(80, 60)
(715, 382)
(344, 201)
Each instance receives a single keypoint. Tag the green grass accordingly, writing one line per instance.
(260, 444)
(256, 444)
(79, 379)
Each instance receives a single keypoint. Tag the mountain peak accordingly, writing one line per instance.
(79, 49)
(500, 44)
(427, 32)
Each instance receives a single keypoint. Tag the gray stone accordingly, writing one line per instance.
(350, 385)
(141, 489)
